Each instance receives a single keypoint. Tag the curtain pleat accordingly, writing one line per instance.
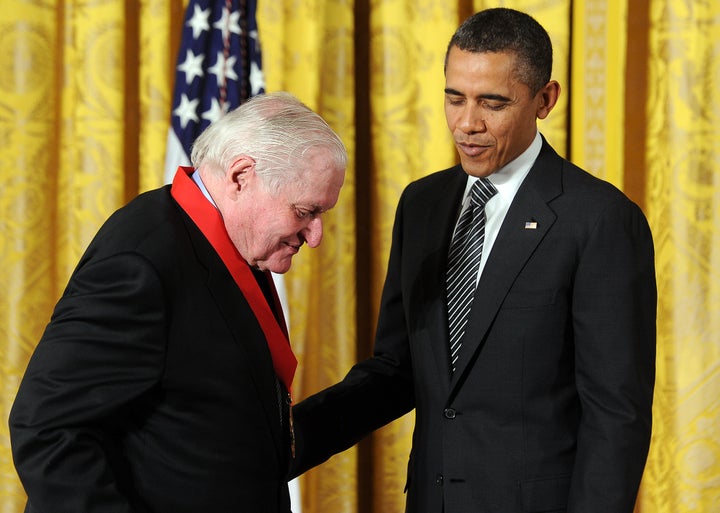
(84, 109)
(153, 51)
(28, 106)
(683, 205)
(597, 87)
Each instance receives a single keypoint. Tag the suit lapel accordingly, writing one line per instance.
(514, 245)
(227, 299)
(439, 217)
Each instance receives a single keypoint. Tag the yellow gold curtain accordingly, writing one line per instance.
(598, 87)
(84, 108)
(682, 160)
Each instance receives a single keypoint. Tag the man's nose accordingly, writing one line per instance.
(471, 120)
(313, 232)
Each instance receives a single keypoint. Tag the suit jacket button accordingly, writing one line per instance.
(439, 479)
(449, 413)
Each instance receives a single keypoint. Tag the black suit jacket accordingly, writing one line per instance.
(549, 409)
(152, 389)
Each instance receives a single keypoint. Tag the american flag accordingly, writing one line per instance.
(219, 66)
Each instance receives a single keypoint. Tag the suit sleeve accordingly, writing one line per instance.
(614, 313)
(103, 348)
(374, 392)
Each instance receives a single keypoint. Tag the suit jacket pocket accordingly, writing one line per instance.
(545, 495)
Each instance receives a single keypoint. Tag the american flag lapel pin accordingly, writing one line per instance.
(531, 225)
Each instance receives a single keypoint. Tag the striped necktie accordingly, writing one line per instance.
(464, 262)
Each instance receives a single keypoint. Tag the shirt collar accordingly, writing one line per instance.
(196, 178)
(511, 175)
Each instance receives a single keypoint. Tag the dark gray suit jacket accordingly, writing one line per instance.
(549, 409)
(152, 389)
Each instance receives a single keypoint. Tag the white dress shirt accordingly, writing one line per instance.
(507, 181)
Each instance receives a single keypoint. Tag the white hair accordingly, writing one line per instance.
(274, 129)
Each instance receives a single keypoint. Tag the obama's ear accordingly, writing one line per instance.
(548, 97)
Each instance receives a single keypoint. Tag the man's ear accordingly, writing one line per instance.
(548, 97)
(240, 171)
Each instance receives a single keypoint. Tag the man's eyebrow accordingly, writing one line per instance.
(312, 209)
(494, 97)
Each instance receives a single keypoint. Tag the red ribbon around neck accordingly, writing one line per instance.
(208, 220)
